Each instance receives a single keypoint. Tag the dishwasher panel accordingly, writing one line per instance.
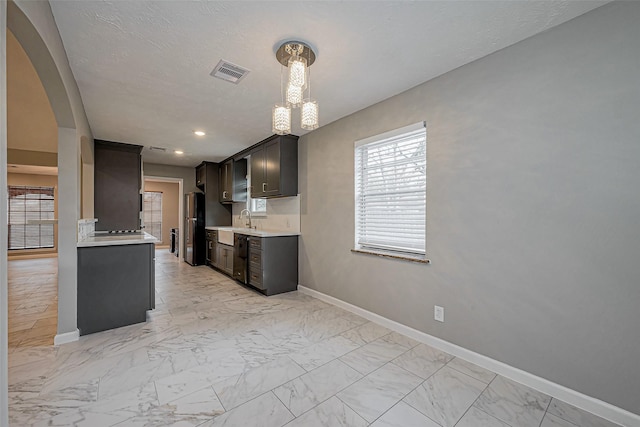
(240, 257)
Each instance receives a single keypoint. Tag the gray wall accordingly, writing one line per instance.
(533, 212)
(188, 175)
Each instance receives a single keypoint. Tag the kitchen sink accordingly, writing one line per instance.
(225, 236)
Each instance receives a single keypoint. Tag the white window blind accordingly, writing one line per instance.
(153, 214)
(26, 207)
(391, 190)
(258, 207)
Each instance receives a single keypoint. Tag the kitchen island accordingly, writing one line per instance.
(116, 280)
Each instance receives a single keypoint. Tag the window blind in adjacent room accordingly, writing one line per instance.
(27, 206)
(153, 214)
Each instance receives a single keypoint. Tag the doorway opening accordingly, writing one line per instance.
(32, 201)
(162, 212)
(32, 265)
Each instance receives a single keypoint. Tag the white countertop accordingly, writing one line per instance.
(254, 232)
(110, 239)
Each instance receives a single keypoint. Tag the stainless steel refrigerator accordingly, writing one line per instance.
(194, 242)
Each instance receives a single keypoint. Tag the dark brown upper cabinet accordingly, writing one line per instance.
(233, 181)
(117, 185)
(274, 167)
(208, 180)
(201, 176)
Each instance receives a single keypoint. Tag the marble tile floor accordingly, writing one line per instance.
(215, 353)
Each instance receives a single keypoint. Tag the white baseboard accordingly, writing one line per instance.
(582, 401)
(67, 337)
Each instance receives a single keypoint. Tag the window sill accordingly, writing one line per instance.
(412, 258)
(31, 250)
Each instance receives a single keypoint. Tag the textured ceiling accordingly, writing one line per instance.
(143, 67)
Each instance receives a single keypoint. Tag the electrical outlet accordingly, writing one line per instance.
(438, 313)
(288, 223)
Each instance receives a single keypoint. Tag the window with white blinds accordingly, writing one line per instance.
(153, 214)
(391, 191)
(28, 210)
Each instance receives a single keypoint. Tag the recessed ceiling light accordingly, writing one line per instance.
(179, 152)
(199, 132)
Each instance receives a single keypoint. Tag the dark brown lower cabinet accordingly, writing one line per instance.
(116, 286)
(273, 264)
(224, 258)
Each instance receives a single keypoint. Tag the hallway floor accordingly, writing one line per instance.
(33, 302)
(214, 353)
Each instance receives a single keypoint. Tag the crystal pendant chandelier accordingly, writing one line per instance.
(309, 114)
(281, 119)
(294, 95)
(298, 57)
(297, 70)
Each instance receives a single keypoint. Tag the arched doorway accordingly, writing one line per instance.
(33, 26)
(32, 181)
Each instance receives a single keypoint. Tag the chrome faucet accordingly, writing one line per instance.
(248, 222)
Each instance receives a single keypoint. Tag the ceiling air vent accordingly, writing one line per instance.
(233, 73)
(160, 149)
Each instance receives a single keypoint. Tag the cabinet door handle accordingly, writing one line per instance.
(264, 187)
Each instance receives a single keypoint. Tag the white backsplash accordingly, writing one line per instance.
(283, 214)
(86, 227)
